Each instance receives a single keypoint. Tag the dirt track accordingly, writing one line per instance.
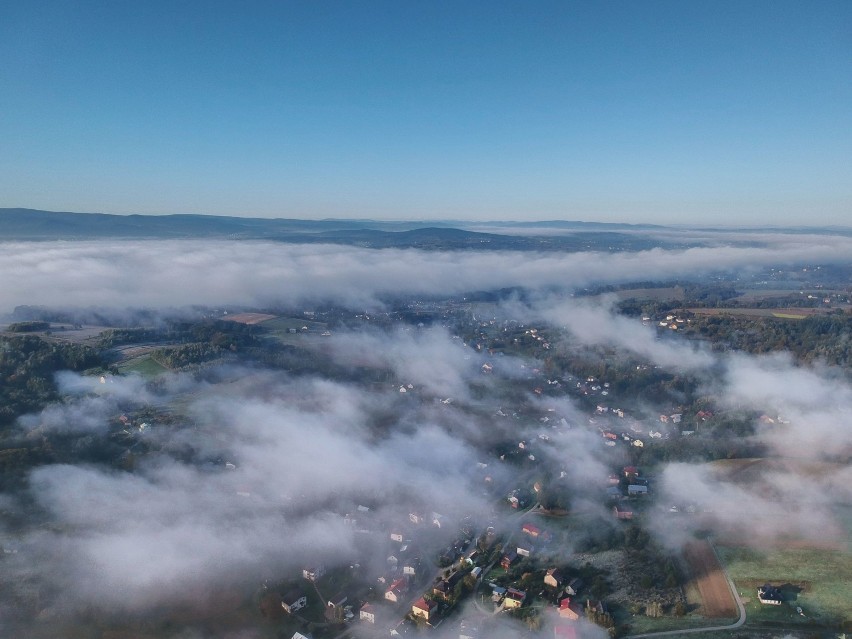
(710, 580)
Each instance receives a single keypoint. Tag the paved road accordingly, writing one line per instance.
(475, 594)
(739, 622)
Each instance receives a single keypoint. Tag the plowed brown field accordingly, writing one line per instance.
(707, 575)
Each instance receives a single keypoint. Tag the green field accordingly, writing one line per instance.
(279, 329)
(824, 578)
(286, 323)
(145, 366)
(780, 313)
(640, 624)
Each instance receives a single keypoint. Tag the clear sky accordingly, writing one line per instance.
(714, 112)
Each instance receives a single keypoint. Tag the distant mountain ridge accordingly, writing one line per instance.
(36, 225)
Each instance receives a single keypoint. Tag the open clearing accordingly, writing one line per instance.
(707, 575)
(61, 332)
(249, 318)
(658, 294)
(779, 313)
(145, 365)
(822, 577)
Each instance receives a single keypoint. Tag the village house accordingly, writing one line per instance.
(569, 610)
(368, 613)
(574, 586)
(514, 598)
(497, 593)
(293, 600)
(313, 573)
(411, 566)
(622, 511)
(532, 530)
(424, 608)
(508, 559)
(444, 588)
(555, 577)
(337, 600)
(299, 635)
(396, 590)
(637, 489)
(771, 595)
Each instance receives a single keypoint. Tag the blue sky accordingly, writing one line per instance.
(666, 112)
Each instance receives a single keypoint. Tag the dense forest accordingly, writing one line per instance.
(821, 338)
(27, 368)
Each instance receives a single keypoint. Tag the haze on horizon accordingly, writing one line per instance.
(658, 112)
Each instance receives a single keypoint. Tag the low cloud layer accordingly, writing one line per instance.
(177, 273)
(281, 467)
(252, 479)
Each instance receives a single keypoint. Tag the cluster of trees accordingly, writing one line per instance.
(27, 368)
(826, 338)
(194, 342)
(28, 327)
(603, 619)
(119, 336)
(627, 376)
(219, 333)
(186, 355)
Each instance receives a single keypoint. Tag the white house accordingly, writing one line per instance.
(771, 595)
(368, 613)
(313, 573)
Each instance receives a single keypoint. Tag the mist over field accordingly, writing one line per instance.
(252, 481)
(158, 273)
